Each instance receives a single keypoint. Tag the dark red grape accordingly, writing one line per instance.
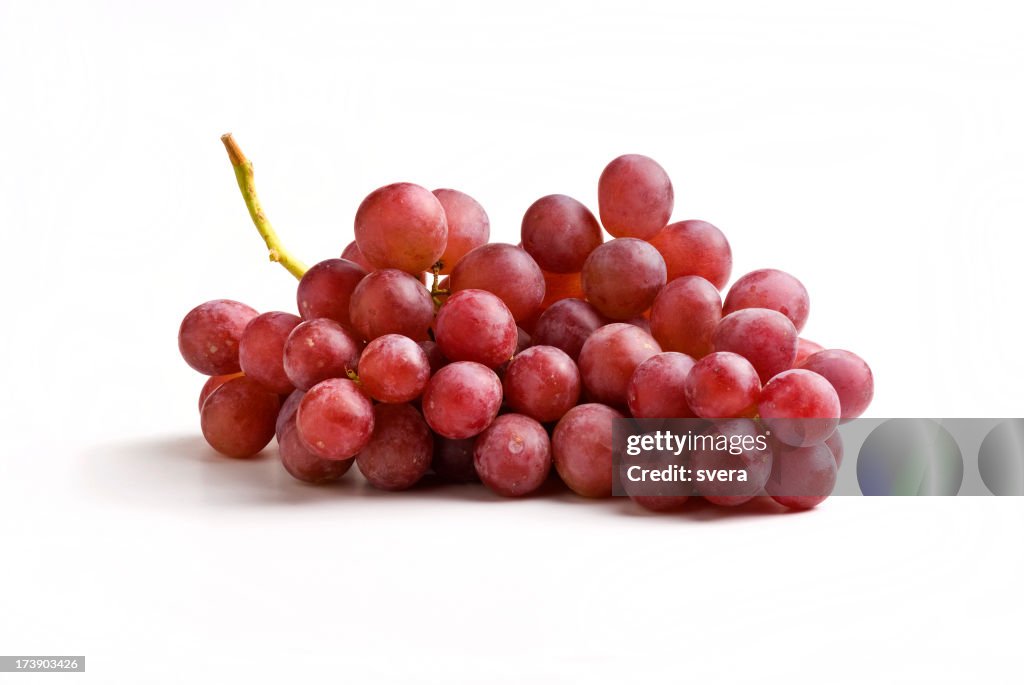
(353, 254)
(434, 355)
(802, 477)
(849, 375)
(560, 233)
(326, 290)
(399, 452)
(302, 464)
(685, 315)
(567, 324)
(770, 289)
(657, 389)
(453, 460)
(317, 350)
(513, 455)
(209, 335)
(582, 449)
(335, 419)
(505, 270)
(462, 399)
(748, 456)
(800, 407)
(804, 349)
(288, 409)
(261, 350)
(468, 226)
(764, 337)
(212, 383)
(635, 197)
(238, 418)
(622, 277)
(695, 248)
(835, 444)
(542, 382)
(723, 385)
(475, 325)
(391, 301)
(608, 359)
(401, 226)
(394, 369)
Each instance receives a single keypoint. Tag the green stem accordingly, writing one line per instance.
(244, 176)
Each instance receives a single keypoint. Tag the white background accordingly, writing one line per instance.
(871, 148)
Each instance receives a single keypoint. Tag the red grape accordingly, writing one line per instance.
(695, 248)
(476, 326)
(802, 477)
(800, 407)
(335, 419)
(434, 355)
(453, 460)
(635, 197)
(542, 382)
(261, 350)
(567, 324)
(582, 449)
(462, 399)
(754, 462)
(835, 445)
(301, 463)
(212, 383)
(238, 418)
(326, 289)
(559, 287)
(399, 452)
(209, 335)
(610, 356)
(685, 315)
(505, 270)
(401, 226)
(560, 233)
(657, 389)
(849, 375)
(288, 409)
(468, 226)
(804, 349)
(317, 350)
(353, 254)
(766, 338)
(513, 455)
(770, 289)
(622, 277)
(723, 385)
(394, 369)
(391, 301)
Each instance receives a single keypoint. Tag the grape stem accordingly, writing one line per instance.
(435, 291)
(244, 176)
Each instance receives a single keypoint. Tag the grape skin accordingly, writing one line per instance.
(802, 477)
(394, 369)
(453, 460)
(685, 314)
(326, 290)
(212, 383)
(436, 359)
(835, 445)
(302, 464)
(567, 324)
(474, 325)
(581, 447)
(542, 382)
(608, 359)
(635, 197)
(391, 301)
(288, 409)
(695, 248)
(505, 270)
(657, 389)
(770, 289)
(317, 350)
(766, 338)
(353, 254)
(400, 450)
(468, 226)
(513, 455)
(209, 335)
(622, 277)
(238, 418)
(804, 349)
(800, 407)
(261, 350)
(849, 375)
(462, 399)
(723, 385)
(559, 232)
(335, 419)
(401, 226)
(757, 463)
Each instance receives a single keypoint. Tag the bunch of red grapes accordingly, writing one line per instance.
(425, 348)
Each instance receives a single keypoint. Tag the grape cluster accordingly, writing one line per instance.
(424, 348)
